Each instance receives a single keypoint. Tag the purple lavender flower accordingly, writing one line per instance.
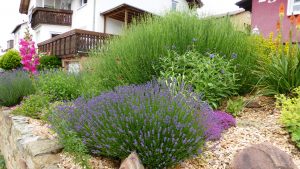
(234, 56)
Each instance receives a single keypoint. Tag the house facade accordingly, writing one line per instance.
(265, 16)
(240, 18)
(19, 33)
(68, 28)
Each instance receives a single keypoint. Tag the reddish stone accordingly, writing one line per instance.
(262, 156)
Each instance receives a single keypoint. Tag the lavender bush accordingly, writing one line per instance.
(162, 126)
(14, 85)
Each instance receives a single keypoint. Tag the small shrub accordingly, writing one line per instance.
(162, 126)
(59, 85)
(10, 60)
(49, 62)
(211, 75)
(14, 86)
(33, 106)
(290, 114)
(235, 106)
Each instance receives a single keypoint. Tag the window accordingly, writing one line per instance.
(174, 5)
(293, 7)
(83, 2)
(74, 67)
(54, 34)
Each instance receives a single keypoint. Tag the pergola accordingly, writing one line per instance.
(124, 13)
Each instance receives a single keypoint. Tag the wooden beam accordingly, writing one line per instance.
(104, 31)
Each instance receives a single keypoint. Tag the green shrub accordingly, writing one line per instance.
(59, 85)
(131, 57)
(290, 114)
(211, 75)
(49, 62)
(14, 86)
(235, 106)
(10, 60)
(33, 106)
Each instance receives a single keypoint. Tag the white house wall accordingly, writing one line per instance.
(43, 32)
(83, 15)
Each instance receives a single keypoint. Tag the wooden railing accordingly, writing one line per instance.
(51, 16)
(73, 43)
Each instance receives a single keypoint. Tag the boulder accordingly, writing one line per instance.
(262, 156)
(132, 162)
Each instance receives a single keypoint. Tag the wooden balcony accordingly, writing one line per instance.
(73, 43)
(51, 16)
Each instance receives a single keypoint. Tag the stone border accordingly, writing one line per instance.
(21, 148)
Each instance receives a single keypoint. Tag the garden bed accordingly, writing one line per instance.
(254, 126)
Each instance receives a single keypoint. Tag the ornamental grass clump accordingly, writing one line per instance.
(164, 127)
(133, 57)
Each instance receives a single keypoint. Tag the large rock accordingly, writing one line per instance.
(262, 156)
(132, 162)
(252, 104)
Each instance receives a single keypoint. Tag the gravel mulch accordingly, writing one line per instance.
(254, 126)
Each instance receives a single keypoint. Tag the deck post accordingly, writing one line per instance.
(104, 31)
(126, 18)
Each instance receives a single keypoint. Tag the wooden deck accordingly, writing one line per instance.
(73, 43)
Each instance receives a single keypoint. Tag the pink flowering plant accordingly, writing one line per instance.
(30, 59)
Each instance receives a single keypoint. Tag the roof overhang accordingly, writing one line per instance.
(119, 12)
(18, 27)
(24, 5)
(197, 3)
(246, 4)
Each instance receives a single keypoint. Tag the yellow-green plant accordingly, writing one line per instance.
(235, 106)
(290, 114)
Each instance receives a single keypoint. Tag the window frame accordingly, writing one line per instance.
(83, 2)
(290, 8)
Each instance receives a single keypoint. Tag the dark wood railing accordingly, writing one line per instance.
(51, 16)
(73, 43)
